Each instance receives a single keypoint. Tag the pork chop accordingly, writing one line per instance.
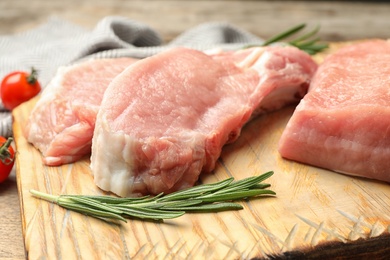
(62, 122)
(343, 123)
(165, 120)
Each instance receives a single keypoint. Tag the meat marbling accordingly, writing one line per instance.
(62, 122)
(165, 120)
(343, 123)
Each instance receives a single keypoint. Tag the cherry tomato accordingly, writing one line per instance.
(18, 87)
(7, 157)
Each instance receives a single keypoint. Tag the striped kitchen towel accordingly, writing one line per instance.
(59, 42)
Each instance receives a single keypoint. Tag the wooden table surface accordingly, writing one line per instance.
(340, 21)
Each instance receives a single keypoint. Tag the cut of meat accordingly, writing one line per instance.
(165, 120)
(343, 123)
(62, 122)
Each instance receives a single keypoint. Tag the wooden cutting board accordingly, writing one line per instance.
(315, 213)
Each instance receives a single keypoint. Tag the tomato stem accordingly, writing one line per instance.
(5, 155)
(33, 77)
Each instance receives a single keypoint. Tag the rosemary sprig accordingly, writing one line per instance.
(305, 42)
(213, 197)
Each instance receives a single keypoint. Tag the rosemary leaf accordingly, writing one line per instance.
(89, 211)
(306, 36)
(235, 195)
(213, 207)
(284, 35)
(316, 47)
(306, 43)
(180, 204)
(152, 214)
(196, 191)
(245, 183)
(116, 200)
(261, 186)
(87, 202)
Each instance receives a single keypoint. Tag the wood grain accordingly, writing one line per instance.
(315, 213)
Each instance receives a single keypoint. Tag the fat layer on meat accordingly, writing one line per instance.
(165, 120)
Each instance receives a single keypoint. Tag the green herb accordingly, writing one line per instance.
(202, 198)
(305, 42)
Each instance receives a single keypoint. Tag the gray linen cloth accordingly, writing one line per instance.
(58, 42)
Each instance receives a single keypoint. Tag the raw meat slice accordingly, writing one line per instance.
(178, 108)
(62, 122)
(343, 123)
